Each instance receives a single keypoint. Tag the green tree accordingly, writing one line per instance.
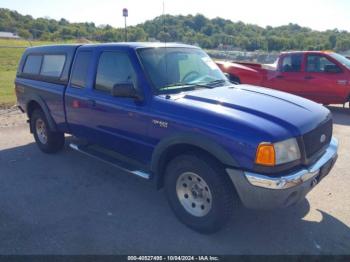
(208, 33)
(24, 34)
(199, 22)
(343, 45)
(332, 41)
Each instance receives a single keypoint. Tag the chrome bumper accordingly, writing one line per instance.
(299, 177)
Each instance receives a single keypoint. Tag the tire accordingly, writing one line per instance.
(213, 199)
(48, 141)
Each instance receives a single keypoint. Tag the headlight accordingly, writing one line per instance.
(287, 151)
(278, 153)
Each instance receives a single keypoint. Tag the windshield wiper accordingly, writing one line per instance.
(175, 86)
(216, 82)
(181, 85)
(211, 84)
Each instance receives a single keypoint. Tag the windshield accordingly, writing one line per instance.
(341, 59)
(174, 70)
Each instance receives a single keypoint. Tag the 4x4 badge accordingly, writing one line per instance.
(159, 123)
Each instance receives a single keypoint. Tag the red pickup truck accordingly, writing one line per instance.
(320, 76)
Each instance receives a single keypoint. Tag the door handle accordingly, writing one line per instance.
(342, 82)
(279, 77)
(308, 77)
(91, 102)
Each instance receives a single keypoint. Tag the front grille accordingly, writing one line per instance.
(312, 140)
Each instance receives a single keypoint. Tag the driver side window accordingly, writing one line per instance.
(114, 68)
(320, 64)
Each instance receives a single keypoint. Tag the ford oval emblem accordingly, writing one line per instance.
(323, 138)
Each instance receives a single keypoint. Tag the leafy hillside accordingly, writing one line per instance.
(189, 29)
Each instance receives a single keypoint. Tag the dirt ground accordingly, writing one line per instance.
(71, 204)
(11, 117)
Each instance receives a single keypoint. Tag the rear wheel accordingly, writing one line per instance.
(47, 140)
(199, 192)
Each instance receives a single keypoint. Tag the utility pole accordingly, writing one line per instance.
(126, 14)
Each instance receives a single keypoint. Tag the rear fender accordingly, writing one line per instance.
(37, 99)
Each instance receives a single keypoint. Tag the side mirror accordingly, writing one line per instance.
(231, 79)
(332, 69)
(227, 76)
(126, 90)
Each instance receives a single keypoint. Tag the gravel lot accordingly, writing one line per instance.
(70, 204)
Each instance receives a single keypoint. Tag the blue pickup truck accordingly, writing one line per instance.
(165, 112)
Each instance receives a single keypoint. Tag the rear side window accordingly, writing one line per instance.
(292, 63)
(113, 68)
(53, 65)
(80, 70)
(32, 64)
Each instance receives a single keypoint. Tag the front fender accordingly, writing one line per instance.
(188, 139)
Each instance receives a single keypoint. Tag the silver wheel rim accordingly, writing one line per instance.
(194, 194)
(41, 131)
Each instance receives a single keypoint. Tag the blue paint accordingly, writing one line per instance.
(235, 118)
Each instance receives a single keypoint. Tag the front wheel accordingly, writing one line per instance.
(199, 192)
(47, 140)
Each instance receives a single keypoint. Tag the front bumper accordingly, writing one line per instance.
(263, 192)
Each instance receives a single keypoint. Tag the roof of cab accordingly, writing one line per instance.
(136, 45)
(132, 45)
(52, 48)
(309, 52)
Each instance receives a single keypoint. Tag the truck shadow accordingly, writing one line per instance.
(341, 116)
(71, 204)
(288, 231)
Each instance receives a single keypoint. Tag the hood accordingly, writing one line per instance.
(271, 111)
(226, 64)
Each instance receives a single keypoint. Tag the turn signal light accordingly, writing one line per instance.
(266, 155)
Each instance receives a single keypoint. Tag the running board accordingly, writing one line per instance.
(110, 159)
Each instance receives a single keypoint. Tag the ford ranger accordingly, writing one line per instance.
(168, 114)
(323, 77)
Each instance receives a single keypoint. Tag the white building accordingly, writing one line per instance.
(9, 35)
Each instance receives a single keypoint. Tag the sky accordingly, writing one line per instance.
(316, 14)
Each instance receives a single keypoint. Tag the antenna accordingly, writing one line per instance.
(166, 53)
(164, 18)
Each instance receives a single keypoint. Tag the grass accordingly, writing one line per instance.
(9, 59)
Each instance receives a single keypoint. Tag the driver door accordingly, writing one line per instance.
(323, 80)
(119, 123)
